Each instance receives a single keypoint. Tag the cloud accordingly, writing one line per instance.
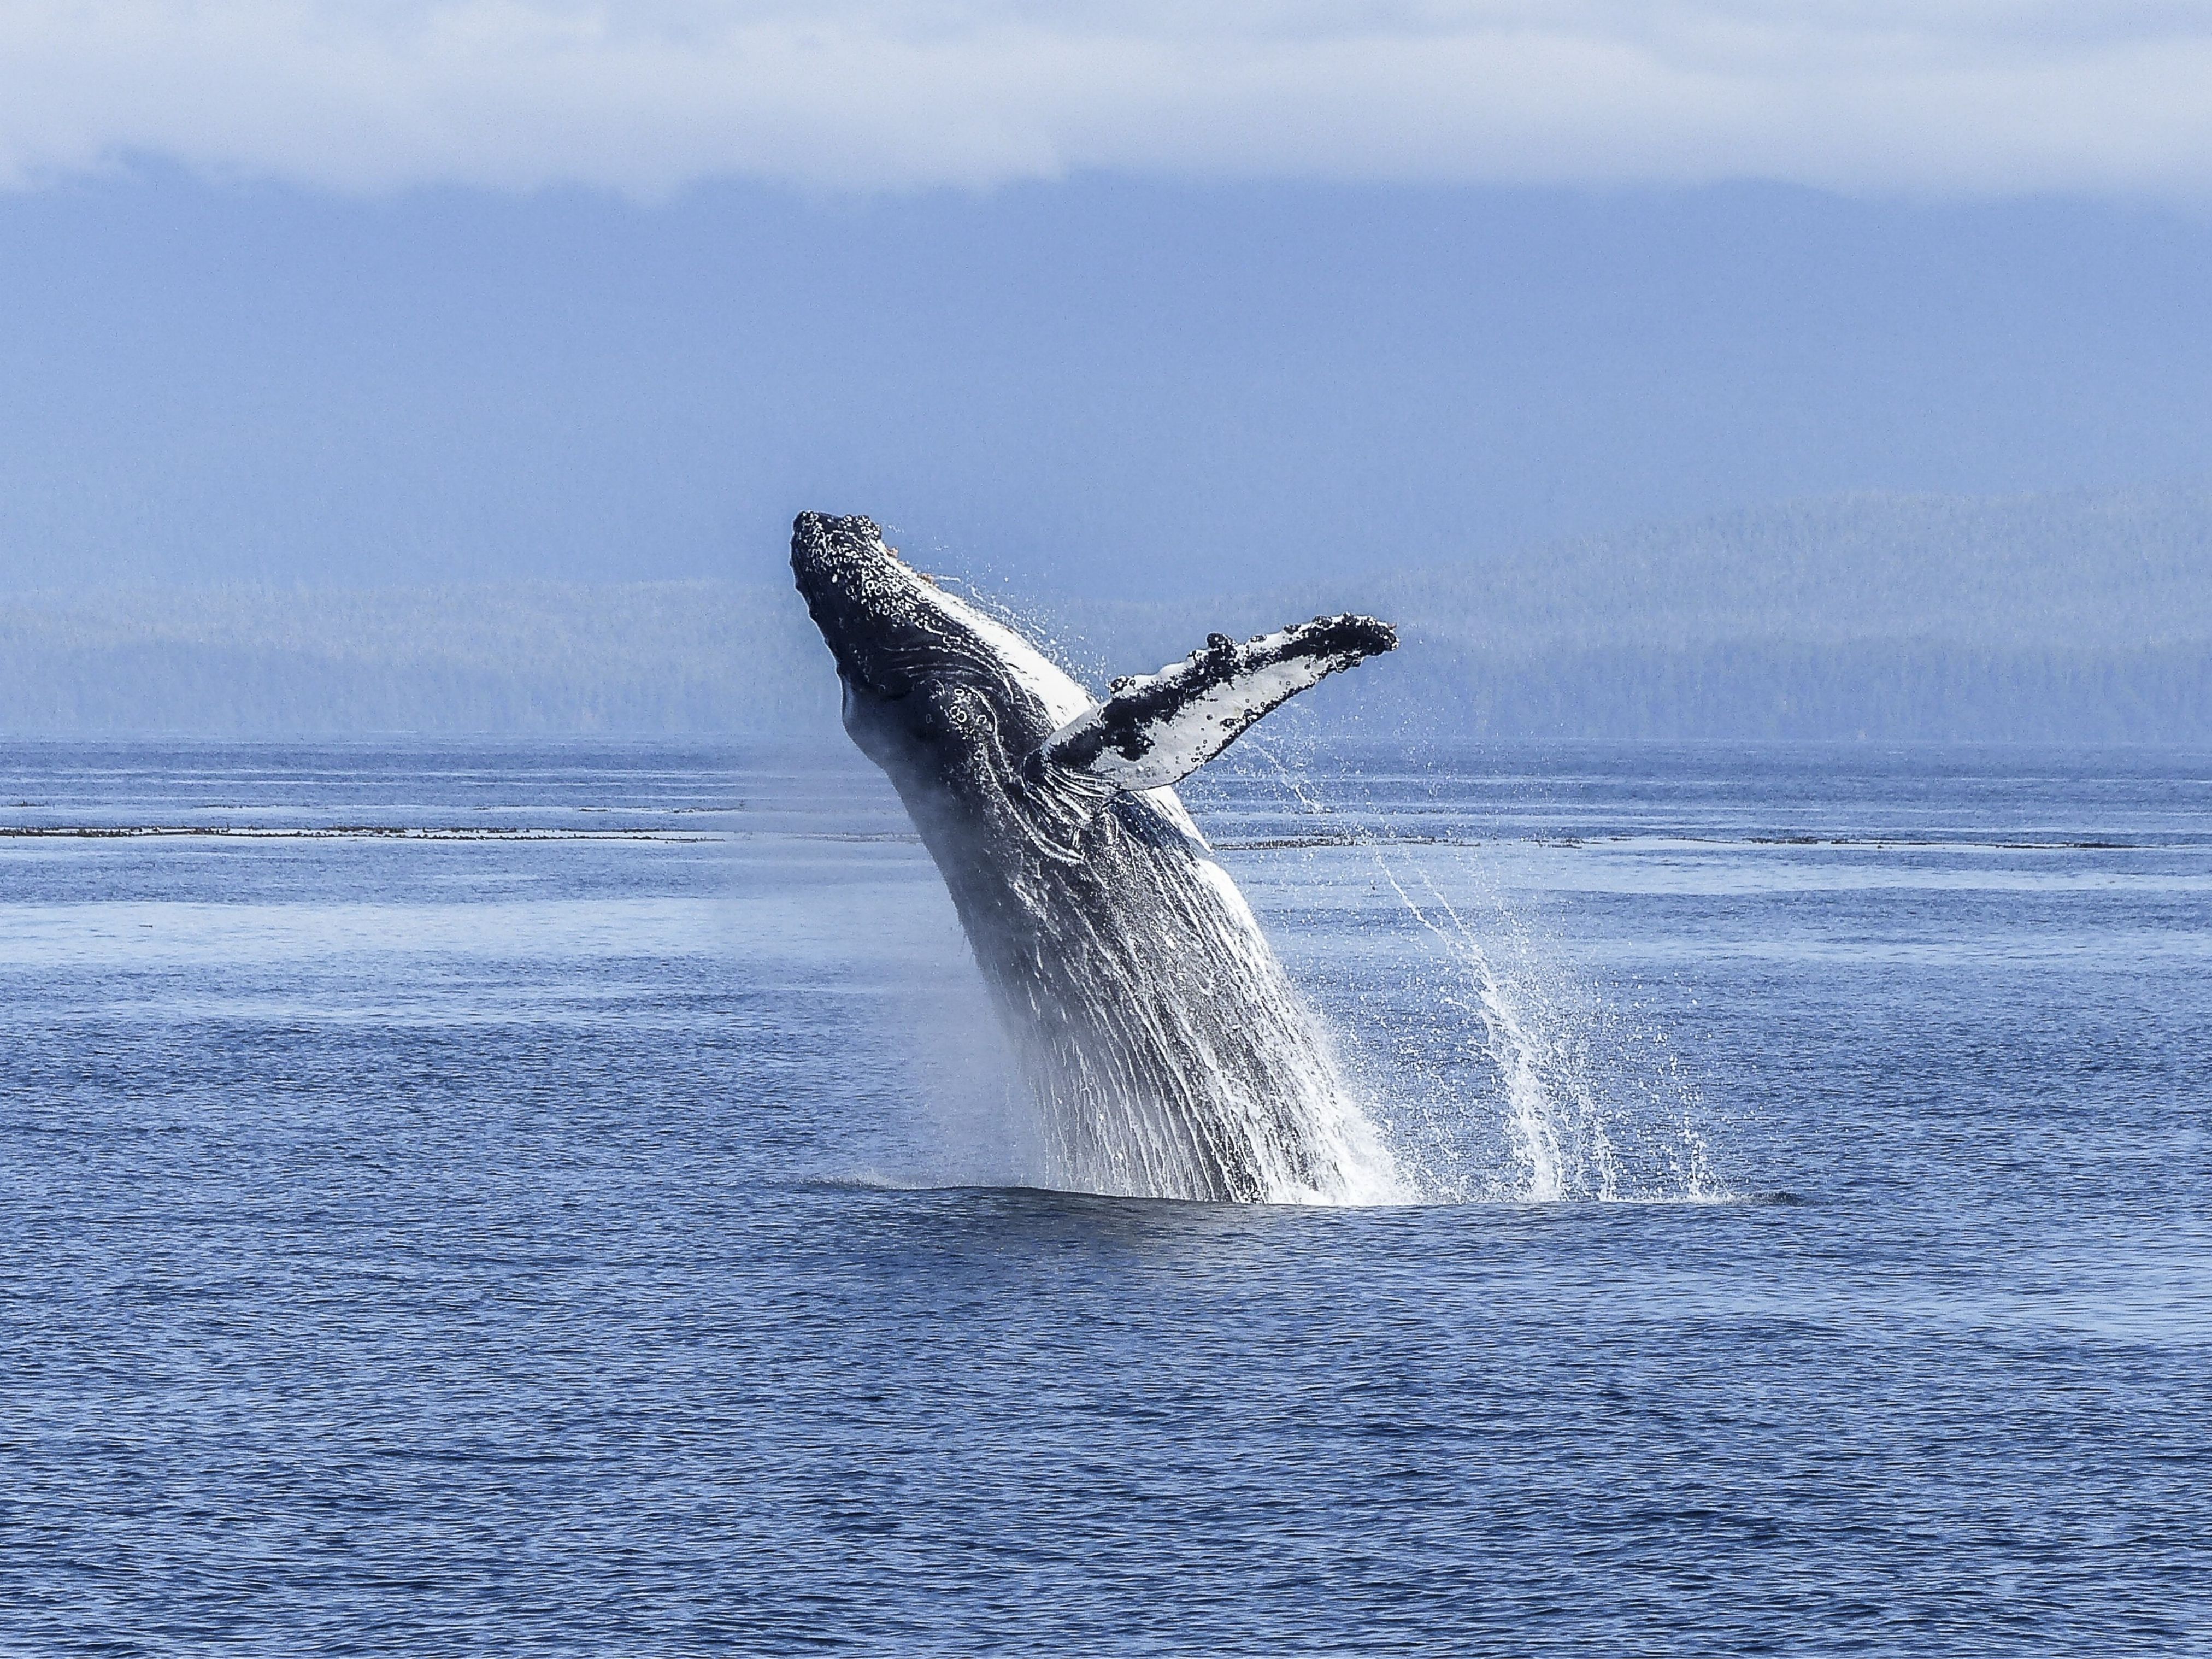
(1947, 97)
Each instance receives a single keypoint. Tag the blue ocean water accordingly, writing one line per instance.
(565, 1198)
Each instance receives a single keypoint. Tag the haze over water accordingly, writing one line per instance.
(592, 1221)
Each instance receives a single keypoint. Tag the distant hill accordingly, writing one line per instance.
(2075, 617)
(653, 657)
(2072, 617)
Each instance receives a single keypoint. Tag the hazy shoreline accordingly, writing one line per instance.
(2071, 618)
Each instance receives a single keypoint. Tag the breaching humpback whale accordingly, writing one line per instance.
(1167, 1049)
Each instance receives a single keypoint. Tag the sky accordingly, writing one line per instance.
(1130, 298)
(647, 96)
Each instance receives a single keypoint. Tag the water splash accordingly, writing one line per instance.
(1574, 1097)
(1595, 1104)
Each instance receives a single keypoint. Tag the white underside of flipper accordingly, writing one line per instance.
(1158, 728)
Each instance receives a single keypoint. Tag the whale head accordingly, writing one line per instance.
(931, 683)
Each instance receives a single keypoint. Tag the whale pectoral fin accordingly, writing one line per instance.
(1157, 728)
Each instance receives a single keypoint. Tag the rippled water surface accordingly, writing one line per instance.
(566, 1198)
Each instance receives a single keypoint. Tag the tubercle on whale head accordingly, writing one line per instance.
(886, 622)
(850, 581)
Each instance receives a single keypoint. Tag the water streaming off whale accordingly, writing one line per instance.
(1510, 1077)
(1171, 1057)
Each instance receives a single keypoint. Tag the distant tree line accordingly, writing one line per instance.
(2082, 618)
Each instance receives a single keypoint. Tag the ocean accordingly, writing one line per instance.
(570, 1198)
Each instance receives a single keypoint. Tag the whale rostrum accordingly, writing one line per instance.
(1166, 1048)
